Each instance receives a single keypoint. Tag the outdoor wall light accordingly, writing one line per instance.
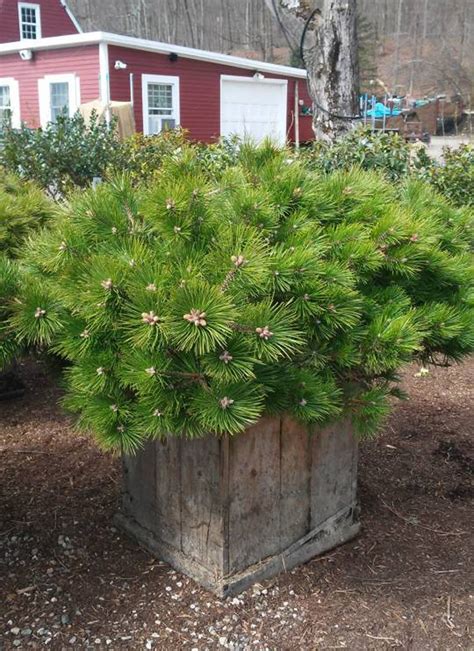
(120, 65)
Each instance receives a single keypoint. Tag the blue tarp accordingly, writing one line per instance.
(380, 110)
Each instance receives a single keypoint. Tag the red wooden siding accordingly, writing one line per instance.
(199, 90)
(54, 20)
(82, 61)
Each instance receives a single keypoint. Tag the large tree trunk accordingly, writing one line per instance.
(330, 56)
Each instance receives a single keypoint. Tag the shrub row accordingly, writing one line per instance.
(71, 153)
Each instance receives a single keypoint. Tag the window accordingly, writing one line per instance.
(9, 103)
(59, 99)
(160, 103)
(30, 20)
(5, 106)
(58, 95)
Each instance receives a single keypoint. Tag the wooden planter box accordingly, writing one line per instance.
(232, 511)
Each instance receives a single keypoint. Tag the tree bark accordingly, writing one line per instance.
(330, 56)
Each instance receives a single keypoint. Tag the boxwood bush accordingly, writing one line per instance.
(195, 305)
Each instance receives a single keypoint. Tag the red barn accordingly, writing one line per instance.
(48, 66)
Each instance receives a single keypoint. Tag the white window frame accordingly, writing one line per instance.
(37, 8)
(44, 94)
(160, 79)
(14, 87)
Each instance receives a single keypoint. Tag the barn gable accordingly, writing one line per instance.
(36, 19)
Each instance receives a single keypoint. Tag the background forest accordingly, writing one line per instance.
(415, 47)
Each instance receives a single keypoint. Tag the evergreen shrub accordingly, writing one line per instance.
(24, 209)
(454, 177)
(386, 152)
(62, 156)
(195, 305)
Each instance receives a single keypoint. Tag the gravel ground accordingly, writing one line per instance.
(69, 579)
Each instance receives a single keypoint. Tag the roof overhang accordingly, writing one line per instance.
(96, 38)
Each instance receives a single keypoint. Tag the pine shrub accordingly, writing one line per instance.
(194, 305)
(24, 209)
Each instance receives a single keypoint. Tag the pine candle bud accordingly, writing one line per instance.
(157, 413)
(107, 284)
(264, 333)
(303, 402)
(226, 402)
(150, 318)
(85, 334)
(114, 408)
(238, 260)
(170, 204)
(151, 287)
(197, 317)
(177, 229)
(414, 237)
(39, 313)
(151, 371)
(226, 357)
(100, 370)
(63, 246)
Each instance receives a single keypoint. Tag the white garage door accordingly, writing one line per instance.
(254, 108)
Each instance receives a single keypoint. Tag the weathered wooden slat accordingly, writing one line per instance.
(167, 491)
(333, 471)
(139, 480)
(201, 502)
(254, 494)
(295, 482)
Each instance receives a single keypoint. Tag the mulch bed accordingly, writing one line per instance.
(69, 579)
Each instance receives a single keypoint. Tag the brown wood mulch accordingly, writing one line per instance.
(69, 579)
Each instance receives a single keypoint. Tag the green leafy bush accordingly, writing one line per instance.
(62, 156)
(142, 156)
(196, 305)
(386, 152)
(454, 178)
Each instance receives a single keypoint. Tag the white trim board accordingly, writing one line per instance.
(72, 17)
(94, 38)
(14, 87)
(104, 75)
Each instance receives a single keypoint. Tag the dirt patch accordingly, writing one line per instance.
(69, 579)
